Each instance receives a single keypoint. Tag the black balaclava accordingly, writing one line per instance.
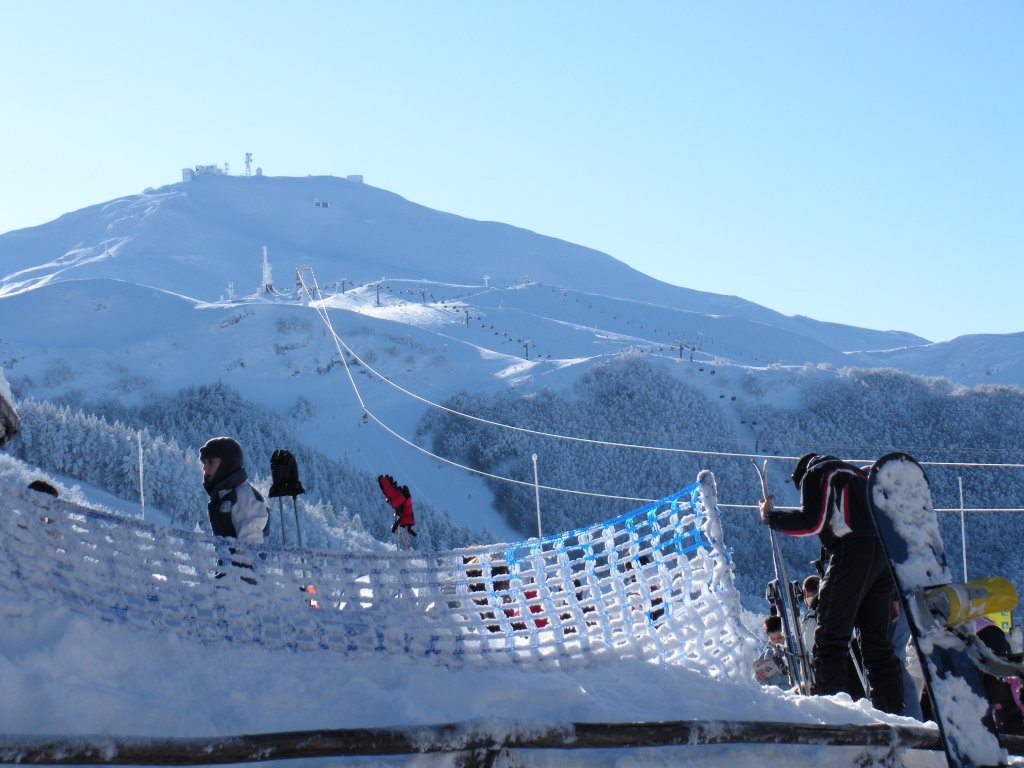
(231, 471)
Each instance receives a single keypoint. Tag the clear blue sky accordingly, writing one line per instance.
(860, 163)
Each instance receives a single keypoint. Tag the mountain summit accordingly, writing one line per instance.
(192, 238)
(201, 242)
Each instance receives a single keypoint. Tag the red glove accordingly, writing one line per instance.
(392, 492)
(404, 513)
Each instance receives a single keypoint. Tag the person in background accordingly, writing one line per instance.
(771, 666)
(8, 416)
(1003, 692)
(857, 590)
(9, 424)
(906, 654)
(809, 621)
(236, 508)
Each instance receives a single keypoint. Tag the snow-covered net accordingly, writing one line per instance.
(655, 583)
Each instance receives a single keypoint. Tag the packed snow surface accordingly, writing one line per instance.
(66, 670)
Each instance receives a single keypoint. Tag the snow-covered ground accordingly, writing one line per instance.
(69, 672)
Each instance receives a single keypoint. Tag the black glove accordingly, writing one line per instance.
(285, 472)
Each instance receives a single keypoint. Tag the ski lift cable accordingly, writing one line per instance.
(937, 509)
(321, 310)
(525, 483)
(339, 344)
(334, 336)
(609, 443)
(401, 438)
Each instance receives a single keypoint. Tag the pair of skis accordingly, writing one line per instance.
(781, 593)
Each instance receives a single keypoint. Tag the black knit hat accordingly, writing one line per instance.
(227, 450)
(801, 468)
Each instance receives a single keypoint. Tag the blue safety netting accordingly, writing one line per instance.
(655, 583)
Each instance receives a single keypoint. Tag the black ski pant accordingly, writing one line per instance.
(857, 592)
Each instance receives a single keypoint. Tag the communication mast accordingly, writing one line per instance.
(248, 163)
(267, 285)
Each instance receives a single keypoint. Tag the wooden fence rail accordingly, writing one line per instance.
(475, 744)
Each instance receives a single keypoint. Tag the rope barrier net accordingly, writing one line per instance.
(655, 583)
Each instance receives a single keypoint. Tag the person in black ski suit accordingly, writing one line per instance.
(857, 589)
(808, 625)
(236, 508)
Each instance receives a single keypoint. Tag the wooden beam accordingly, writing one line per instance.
(462, 738)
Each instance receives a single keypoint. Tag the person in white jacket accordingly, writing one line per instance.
(8, 416)
(236, 508)
(771, 666)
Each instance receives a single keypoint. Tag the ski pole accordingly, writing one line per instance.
(298, 533)
(298, 525)
(280, 508)
(285, 471)
(858, 668)
(790, 611)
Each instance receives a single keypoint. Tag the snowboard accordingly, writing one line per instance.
(899, 498)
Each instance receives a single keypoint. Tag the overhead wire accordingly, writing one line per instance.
(455, 464)
(319, 305)
(338, 343)
(539, 433)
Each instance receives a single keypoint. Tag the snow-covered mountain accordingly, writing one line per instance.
(133, 299)
(130, 301)
(194, 239)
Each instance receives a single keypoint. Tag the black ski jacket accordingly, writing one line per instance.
(833, 503)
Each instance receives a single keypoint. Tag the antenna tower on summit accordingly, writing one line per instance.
(267, 285)
(248, 163)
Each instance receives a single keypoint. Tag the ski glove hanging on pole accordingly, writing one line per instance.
(285, 472)
(392, 492)
(399, 498)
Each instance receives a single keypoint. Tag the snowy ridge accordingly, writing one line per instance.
(655, 583)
